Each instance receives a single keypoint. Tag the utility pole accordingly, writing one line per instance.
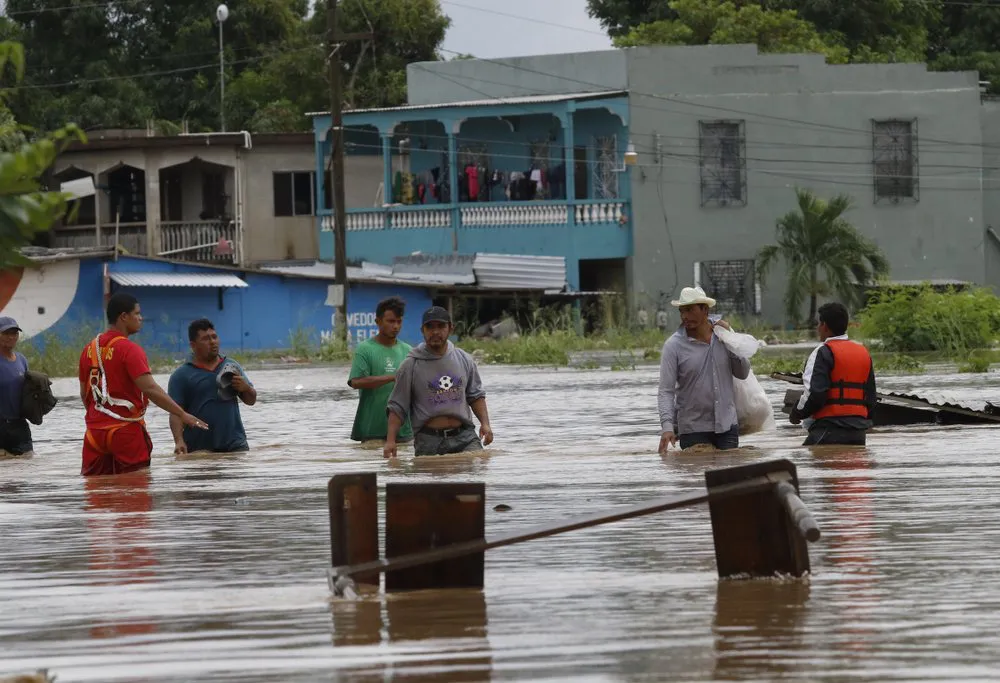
(334, 39)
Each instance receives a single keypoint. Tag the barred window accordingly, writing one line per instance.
(733, 285)
(722, 155)
(894, 153)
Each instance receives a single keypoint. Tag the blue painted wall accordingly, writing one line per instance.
(269, 314)
(507, 151)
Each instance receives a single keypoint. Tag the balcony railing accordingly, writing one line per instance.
(131, 236)
(200, 241)
(487, 215)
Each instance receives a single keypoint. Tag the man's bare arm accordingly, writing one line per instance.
(372, 382)
(159, 397)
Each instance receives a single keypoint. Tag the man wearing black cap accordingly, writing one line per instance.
(15, 434)
(439, 389)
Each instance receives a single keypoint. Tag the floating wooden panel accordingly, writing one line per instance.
(752, 532)
(421, 517)
(353, 501)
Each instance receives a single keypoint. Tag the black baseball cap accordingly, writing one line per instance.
(436, 314)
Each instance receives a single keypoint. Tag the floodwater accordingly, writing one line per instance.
(213, 568)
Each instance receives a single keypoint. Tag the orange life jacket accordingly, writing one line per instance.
(846, 396)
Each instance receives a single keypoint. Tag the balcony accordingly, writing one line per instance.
(546, 176)
(593, 228)
(131, 236)
(213, 242)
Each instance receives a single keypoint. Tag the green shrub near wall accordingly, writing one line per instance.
(910, 319)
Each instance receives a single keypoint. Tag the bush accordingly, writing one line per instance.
(898, 362)
(975, 365)
(910, 319)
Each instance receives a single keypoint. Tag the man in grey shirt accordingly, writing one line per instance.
(696, 379)
(438, 388)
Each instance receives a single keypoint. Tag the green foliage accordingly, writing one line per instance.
(975, 364)
(619, 17)
(897, 362)
(274, 51)
(711, 22)
(764, 364)
(816, 240)
(910, 319)
(947, 35)
(25, 207)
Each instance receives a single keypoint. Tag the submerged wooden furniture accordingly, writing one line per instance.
(435, 533)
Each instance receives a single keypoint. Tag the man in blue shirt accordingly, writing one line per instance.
(15, 434)
(207, 386)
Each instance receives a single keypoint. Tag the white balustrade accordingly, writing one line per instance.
(505, 215)
(375, 220)
(200, 241)
(420, 219)
(593, 213)
(486, 215)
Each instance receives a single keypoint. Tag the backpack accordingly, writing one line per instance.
(36, 397)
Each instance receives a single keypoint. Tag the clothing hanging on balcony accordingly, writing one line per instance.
(521, 187)
(472, 180)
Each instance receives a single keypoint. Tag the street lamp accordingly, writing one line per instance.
(221, 14)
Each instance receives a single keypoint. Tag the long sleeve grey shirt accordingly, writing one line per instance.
(696, 385)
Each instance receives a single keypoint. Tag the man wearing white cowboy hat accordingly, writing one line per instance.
(696, 402)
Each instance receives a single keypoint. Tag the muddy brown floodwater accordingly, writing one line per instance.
(213, 568)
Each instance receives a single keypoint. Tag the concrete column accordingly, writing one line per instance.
(152, 168)
(387, 168)
(386, 175)
(99, 195)
(569, 143)
(456, 211)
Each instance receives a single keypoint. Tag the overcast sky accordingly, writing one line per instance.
(514, 28)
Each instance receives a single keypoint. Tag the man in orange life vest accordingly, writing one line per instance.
(116, 385)
(838, 401)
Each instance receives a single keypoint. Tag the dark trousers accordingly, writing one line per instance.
(829, 436)
(15, 437)
(724, 441)
(446, 441)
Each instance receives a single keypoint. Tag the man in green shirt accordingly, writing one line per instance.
(373, 373)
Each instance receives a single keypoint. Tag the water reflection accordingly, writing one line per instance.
(442, 465)
(845, 478)
(117, 511)
(452, 624)
(758, 627)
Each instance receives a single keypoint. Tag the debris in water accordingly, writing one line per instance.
(40, 676)
(502, 508)
(241, 501)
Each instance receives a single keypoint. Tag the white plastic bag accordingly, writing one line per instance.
(753, 408)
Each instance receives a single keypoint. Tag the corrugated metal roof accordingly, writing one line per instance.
(483, 271)
(512, 271)
(368, 272)
(177, 280)
(449, 269)
(492, 102)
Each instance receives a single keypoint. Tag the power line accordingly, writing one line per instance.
(150, 74)
(523, 18)
(648, 107)
(864, 179)
(782, 119)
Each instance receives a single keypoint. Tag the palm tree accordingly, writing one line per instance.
(817, 238)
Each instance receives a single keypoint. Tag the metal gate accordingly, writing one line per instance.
(731, 284)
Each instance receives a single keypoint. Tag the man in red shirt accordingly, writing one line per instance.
(116, 385)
